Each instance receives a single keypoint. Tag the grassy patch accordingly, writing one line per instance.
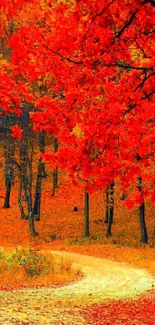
(29, 266)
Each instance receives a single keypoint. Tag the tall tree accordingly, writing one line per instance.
(144, 235)
(41, 173)
(55, 171)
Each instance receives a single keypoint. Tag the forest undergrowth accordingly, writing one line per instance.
(61, 227)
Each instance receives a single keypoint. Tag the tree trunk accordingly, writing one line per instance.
(22, 213)
(31, 224)
(144, 236)
(7, 195)
(55, 172)
(40, 174)
(106, 204)
(109, 224)
(110, 210)
(42, 150)
(26, 160)
(86, 213)
(30, 211)
(9, 149)
(37, 201)
(143, 229)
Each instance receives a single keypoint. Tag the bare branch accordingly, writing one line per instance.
(144, 80)
(61, 56)
(147, 96)
(129, 109)
(128, 23)
(128, 66)
(95, 17)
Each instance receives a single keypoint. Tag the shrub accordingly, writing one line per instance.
(33, 261)
(37, 265)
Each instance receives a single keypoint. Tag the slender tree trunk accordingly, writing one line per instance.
(31, 217)
(7, 195)
(26, 159)
(24, 154)
(55, 172)
(109, 224)
(42, 150)
(144, 236)
(110, 210)
(106, 204)
(37, 201)
(40, 174)
(143, 229)
(86, 213)
(8, 153)
(112, 200)
(27, 185)
(22, 213)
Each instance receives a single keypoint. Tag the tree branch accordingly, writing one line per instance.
(148, 95)
(128, 66)
(95, 17)
(128, 110)
(61, 56)
(146, 156)
(128, 23)
(144, 80)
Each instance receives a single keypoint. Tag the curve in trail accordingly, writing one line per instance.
(103, 280)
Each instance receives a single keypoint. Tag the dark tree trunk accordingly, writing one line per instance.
(144, 236)
(37, 201)
(106, 204)
(55, 172)
(7, 195)
(9, 170)
(40, 174)
(86, 214)
(27, 188)
(31, 218)
(22, 213)
(29, 194)
(109, 224)
(110, 210)
(24, 151)
(143, 229)
(26, 159)
(42, 150)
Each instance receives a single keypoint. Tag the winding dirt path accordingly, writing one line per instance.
(103, 280)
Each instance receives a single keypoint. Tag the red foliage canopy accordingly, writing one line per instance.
(97, 60)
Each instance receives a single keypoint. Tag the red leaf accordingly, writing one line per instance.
(17, 132)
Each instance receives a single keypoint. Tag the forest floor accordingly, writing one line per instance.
(103, 280)
(60, 228)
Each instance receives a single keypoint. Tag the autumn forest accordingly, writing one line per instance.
(77, 154)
